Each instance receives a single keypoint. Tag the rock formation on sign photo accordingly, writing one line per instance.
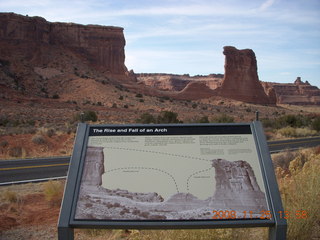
(236, 189)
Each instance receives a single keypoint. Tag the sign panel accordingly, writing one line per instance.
(174, 173)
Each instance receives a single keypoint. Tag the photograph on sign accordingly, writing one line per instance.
(162, 176)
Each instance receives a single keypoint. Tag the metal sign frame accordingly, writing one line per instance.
(67, 222)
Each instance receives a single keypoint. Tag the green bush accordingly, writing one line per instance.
(146, 118)
(16, 151)
(315, 125)
(223, 118)
(203, 119)
(168, 117)
(163, 117)
(38, 139)
(87, 116)
(4, 121)
(293, 121)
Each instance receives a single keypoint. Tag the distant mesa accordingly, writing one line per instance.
(40, 58)
(239, 82)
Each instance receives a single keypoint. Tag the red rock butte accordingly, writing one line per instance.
(241, 81)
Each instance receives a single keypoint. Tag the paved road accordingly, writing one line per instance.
(43, 168)
(29, 169)
(293, 144)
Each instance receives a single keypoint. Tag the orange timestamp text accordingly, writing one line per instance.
(264, 214)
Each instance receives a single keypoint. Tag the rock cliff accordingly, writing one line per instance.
(102, 46)
(29, 43)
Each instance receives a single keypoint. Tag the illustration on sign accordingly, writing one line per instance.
(157, 176)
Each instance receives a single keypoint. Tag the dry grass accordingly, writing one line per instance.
(300, 191)
(53, 191)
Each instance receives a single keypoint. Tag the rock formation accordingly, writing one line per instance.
(241, 80)
(297, 93)
(28, 44)
(102, 46)
(236, 187)
(93, 167)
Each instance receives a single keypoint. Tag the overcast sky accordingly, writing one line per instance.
(188, 36)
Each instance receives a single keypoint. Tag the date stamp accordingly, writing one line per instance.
(232, 214)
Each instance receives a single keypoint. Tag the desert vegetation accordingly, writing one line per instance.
(293, 125)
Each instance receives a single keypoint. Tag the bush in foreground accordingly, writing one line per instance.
(300, 192)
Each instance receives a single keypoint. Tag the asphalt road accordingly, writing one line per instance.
(45, 168)
(30, 169)
(293, 144)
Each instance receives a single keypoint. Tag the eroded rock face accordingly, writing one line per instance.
(241, 80)
(103, 46)
(236, 187)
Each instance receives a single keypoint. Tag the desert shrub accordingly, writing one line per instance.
(38, 139)
(139, 95)
(3, 121)
(50, 132)
(301, 192)
(283, 159)
(315, 125)
(4, 143)
(203, 119)
(168, 117)
(53, 191)
(55, 96)
(86, 116)
(296, 121)
(17, 151)
(223, 118)
(267, 123)
(287, 131)
(146, 118)
(304, 132)
(296, 132)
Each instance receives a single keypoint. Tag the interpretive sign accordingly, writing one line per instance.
(171, 176)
